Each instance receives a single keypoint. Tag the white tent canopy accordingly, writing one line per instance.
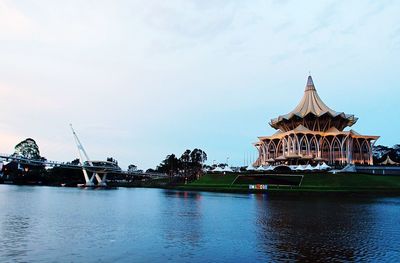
(260, 168)
(388, 161)
(250, 168)
(350, 168)
(309, 167)
(324, 166)
(218, 169)
(269, 168)
(227, 169)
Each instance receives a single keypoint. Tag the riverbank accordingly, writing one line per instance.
(311, 183)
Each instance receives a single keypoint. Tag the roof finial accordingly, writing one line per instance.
(310, 83)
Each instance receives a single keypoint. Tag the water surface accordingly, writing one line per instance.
(49, 224)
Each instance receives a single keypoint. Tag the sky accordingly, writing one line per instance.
(141, 79)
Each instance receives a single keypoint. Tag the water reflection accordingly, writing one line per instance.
(182, 230)
(154, 225)
(315, 229)
(15, 232)
(182, 194)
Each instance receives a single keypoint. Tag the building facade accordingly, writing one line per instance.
(313, 133)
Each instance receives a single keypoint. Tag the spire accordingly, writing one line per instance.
(312, 104)
(310, 84)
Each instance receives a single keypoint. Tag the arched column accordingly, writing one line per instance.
(272, 149)
(291, 145)
(297, 141)
(280, 149)
(366, 152)
(336, 150)
(326, 150)
(356, 151)
(314, 147)
(345, 144)
(304, 143)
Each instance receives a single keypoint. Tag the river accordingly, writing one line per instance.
(50, 224)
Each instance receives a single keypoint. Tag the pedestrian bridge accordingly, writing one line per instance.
(95, 168)
(94, 172)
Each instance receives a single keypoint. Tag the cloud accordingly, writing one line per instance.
(190, 19)
(142, 79)
(14, 24)
(23, 96)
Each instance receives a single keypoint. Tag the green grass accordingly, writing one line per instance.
(350, 181)
(215, 179)
(293, 180)
(311, 183)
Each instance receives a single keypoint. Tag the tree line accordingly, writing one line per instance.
(381, 152)
(25, 173)
(189, 164)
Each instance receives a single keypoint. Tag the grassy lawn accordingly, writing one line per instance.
(350, 181)
(215, 180)
(311, 182)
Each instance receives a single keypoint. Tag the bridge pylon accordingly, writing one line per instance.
(89, 181)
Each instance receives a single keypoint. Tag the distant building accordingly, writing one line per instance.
(313, 132)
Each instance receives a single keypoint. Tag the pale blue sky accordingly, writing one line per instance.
(142, 79)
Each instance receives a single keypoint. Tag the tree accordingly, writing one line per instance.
(75, 162)
(396, 152)
(26, 172)
(222, 165)
(169, 165)
(185, 157)
(112, 160)
(184, 162)
(132, 168)
(198, 156)
(380, 153)
(28, 149)
(190, 164)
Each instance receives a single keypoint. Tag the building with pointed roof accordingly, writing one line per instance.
(313, 132)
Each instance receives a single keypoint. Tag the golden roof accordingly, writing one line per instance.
(311, 103)
(331, 131)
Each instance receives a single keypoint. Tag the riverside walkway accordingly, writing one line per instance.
(90, 168)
